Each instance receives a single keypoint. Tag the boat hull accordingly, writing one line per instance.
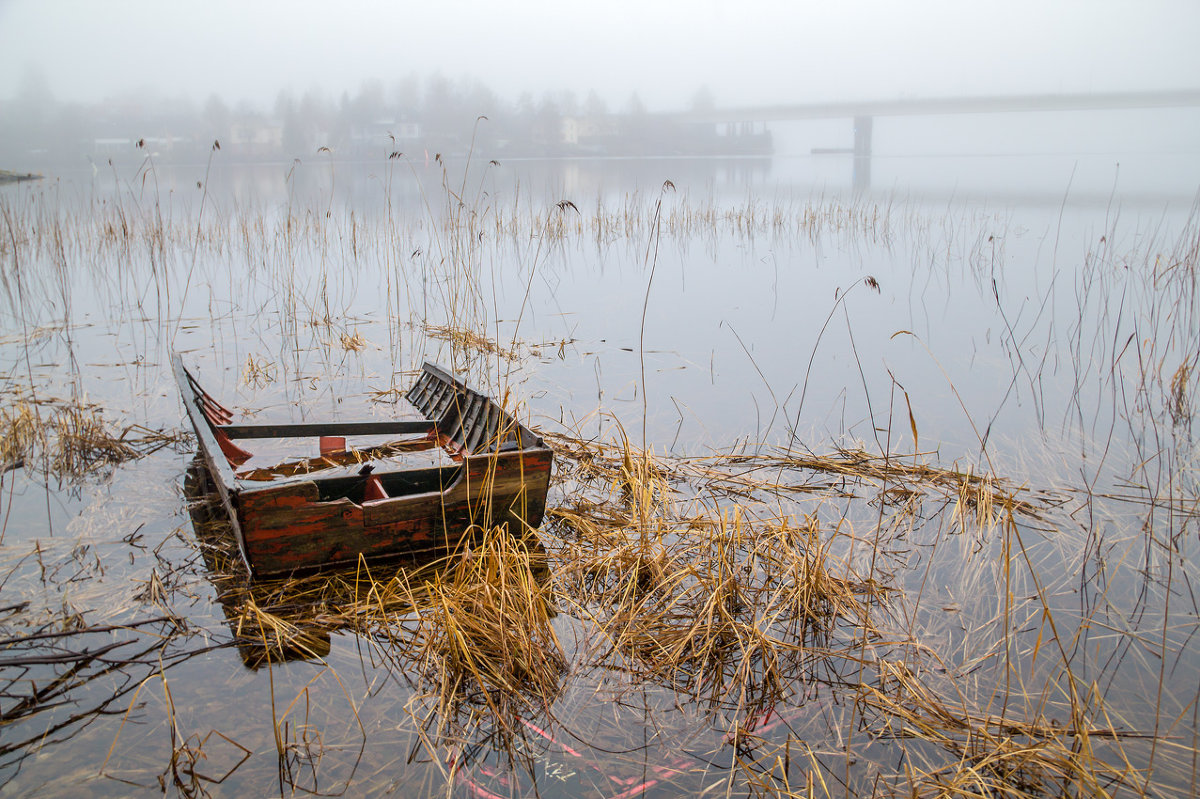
(498, 474)
(291, 529)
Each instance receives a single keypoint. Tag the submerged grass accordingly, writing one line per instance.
(740, 622)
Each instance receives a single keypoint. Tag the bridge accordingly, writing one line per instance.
(864, 112)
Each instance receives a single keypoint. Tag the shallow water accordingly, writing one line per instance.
(1024, 322)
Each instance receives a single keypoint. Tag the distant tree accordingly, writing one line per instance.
(8, 133)
(71, 139)
(310, 127)
(285, 104)
(480, 100)
(26, 119)
(568, 103)
(520, 126)
(703, 100)
(594, 105)
(296, 141)
(368, 105)
(35, 101)
(406, 96)
(526, 106)
(635, 125)
(217, 117)
(547, 129)
(438, 106)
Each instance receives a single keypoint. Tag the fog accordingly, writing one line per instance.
(754, 52)
(86, 82)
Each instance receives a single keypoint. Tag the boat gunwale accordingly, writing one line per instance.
(194, 396)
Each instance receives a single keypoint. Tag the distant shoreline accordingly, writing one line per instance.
(16, 177)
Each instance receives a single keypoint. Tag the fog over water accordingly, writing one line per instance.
(744, 53)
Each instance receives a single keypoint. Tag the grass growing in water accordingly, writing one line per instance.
(777, 622)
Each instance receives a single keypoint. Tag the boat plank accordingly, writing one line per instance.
(331, 428)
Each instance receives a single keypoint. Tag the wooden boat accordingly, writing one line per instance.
(315, 494)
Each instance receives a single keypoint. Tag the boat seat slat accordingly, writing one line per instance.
(482, 434)
(469, 423)
(331, 428)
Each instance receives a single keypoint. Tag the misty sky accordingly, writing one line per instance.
(745, 51)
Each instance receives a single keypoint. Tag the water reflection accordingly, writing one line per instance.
(1047, 343)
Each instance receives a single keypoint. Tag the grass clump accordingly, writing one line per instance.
(476, 623)
(722, 600)
(485, 625)
(463, 338)
(70, 439)
(19, 428)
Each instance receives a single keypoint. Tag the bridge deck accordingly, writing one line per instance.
(947, 105)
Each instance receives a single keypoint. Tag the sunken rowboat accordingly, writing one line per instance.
(305, 496)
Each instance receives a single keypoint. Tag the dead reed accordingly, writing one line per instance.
(353, 343)
(19, 428)
(752, 587)
(705, 577)
(258, 371)
(757, 475)
(475, 623)
(485, 626)
(469, 340)
(49, 670)
(691, 579)
(724, 601)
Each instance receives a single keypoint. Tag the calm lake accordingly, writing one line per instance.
(1020, 305)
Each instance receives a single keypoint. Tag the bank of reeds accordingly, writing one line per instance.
(685, 580)
(708, 578)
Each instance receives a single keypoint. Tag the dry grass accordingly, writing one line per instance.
(751, 476)
(258, 371)
(475, 623)
(1178, 395)
(485, 625)
(353, 343)
(994, 755)
(729, 603)
(19, 433)
(464, 339)
(717, 599)
(71, 439)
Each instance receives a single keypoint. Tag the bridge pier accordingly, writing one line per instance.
(862, 152)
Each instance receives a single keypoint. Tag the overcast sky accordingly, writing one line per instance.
(745, 51)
